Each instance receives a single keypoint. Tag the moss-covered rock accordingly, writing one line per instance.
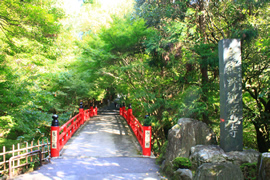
(220, 171)
(201, 154)
(181, 162)
(182, 174)
(167, 169)
(263, 167)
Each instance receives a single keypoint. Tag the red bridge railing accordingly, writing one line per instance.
(142, 133)
(61, 135)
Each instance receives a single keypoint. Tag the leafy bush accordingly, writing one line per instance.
(249, 170)
(181, 162)
(161, 157)
(147, 121)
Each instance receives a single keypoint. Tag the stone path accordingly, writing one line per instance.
(104, 148)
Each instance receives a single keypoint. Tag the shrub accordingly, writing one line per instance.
(161, 156)
(249, 170)
(181, 162)
(147, 121)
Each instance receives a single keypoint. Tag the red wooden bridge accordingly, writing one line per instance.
(61, 135)
(104, 145)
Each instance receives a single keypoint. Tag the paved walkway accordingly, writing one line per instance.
(104, 148)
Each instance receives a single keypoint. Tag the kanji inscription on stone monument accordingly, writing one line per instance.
(231, 108)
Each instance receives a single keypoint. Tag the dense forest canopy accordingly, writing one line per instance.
(160, 56)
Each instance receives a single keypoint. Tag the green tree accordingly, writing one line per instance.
(256, 74)
(28, 31)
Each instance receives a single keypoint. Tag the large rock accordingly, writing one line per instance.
(183, 174)
(264, 167)
(214, 154)
(185, 134)
(220, 171)
(241, 157)
(167, 168)
(206, 154)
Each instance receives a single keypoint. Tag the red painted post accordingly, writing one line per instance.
(55, 145)
(96, 110)
(136, 127)
(147, 132)
(86, 112)
(129, 114)
(120, 110)
(124, 111)
(91, 110)
(72, 127)
(81, 112)
(65, 136)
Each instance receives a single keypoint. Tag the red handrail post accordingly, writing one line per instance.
(86, 112)
(96, 109)
(124, 110)
(81, 112)
(147, 132)
(120, 110)
(91, 110)
(136, 127)
(55, 144)
(129, 115)
(72, 128)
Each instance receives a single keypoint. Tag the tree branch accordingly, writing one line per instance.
(6, 35)
(112, 75)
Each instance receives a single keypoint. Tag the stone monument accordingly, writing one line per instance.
(231, 107)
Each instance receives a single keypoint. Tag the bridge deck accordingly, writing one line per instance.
(104, 148)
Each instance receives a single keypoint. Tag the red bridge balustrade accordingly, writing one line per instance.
(142, 133)
(61, 135)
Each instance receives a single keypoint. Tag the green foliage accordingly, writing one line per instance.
(31, 55)
(6, 123)
(249, 171)
(162, 58)
(168, 170)
(197, 33)
(29, 19)
(181, 162)
(124, 34)
(249, 135)
(256, 76)
(161, 156)
(34, 165)
(89, 1)
(147, 121)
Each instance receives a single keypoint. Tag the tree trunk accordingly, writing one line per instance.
(262, 138)
(203, 68)
(203, 64)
